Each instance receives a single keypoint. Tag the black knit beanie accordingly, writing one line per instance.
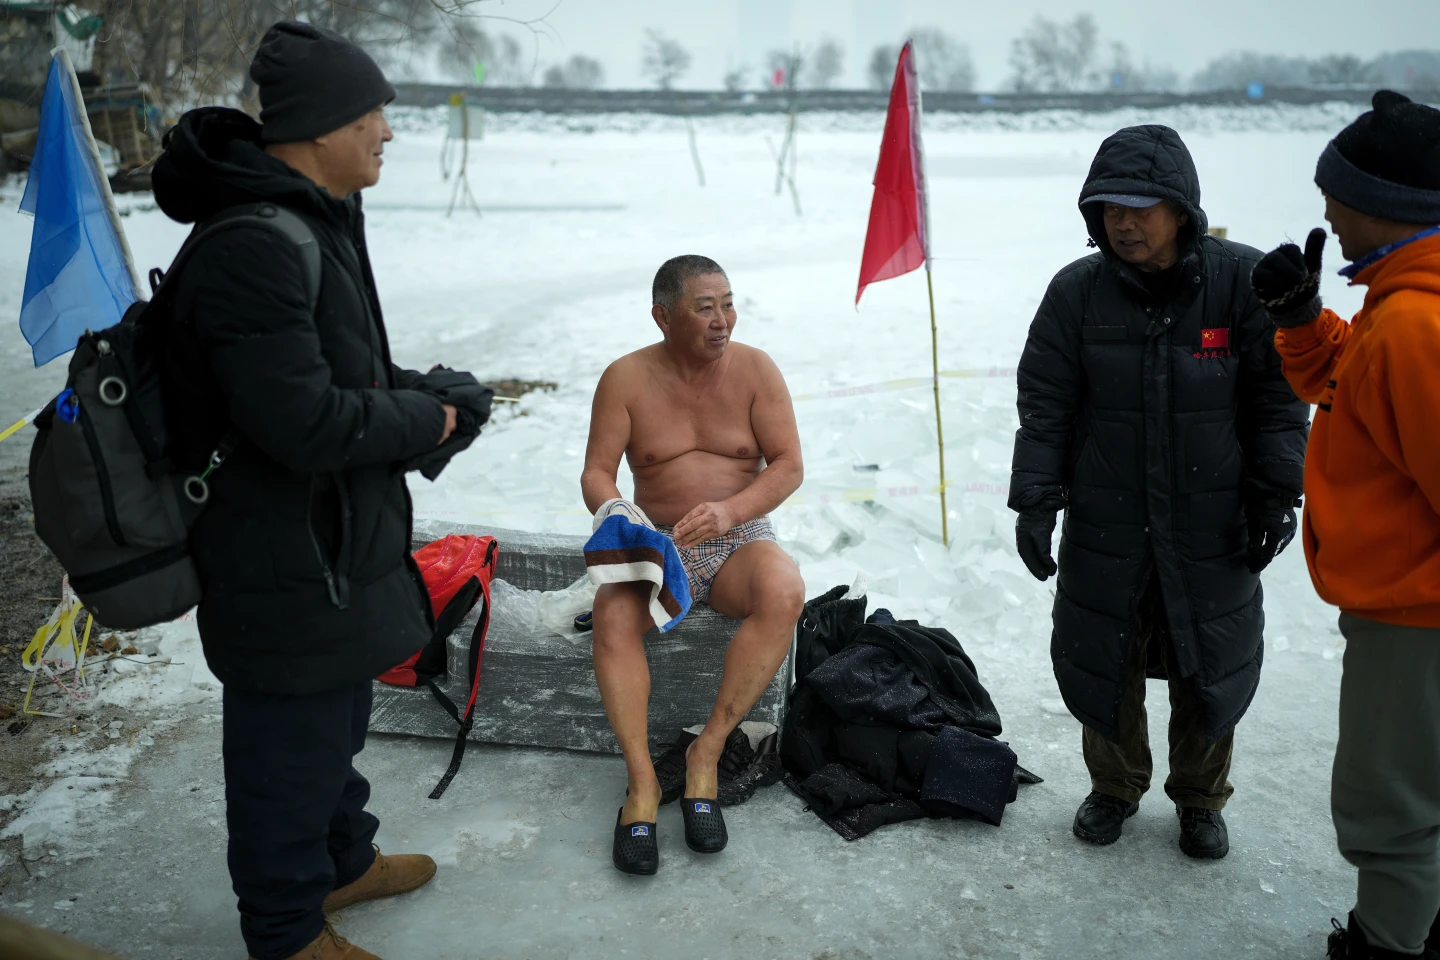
(312, 82)
(1387, 163)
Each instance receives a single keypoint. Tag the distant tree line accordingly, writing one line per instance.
(1068, 56)
(190, 51)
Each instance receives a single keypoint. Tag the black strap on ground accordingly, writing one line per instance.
(461, 739)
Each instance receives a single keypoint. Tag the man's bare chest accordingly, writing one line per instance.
(671, 422)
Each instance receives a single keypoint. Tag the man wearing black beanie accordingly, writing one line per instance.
(303, 548)
(1372, 506)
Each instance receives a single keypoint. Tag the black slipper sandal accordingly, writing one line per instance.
(635, 849)
(704, 825)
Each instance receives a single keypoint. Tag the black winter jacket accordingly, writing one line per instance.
(1151, 420)
(304, 548)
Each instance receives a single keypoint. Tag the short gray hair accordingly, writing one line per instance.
(669, 285)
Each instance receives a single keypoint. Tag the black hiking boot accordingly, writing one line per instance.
(1349, 943)
(744, 769)
(1202, 833)
(1101, 818)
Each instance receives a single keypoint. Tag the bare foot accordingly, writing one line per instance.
(702, 774)
(642, 802)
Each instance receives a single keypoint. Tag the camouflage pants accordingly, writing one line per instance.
(1199, 771)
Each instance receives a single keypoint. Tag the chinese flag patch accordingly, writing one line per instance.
(1215, 338)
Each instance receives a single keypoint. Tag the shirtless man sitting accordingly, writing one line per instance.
(708, 430)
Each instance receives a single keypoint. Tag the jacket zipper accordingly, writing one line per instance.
(102, 476)
(325, 570)
(347, 537)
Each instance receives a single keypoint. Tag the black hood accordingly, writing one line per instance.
(1150, 160)
(213, 160)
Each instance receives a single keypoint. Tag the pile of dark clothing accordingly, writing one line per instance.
(888, 722)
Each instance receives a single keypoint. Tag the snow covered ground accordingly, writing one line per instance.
(552, 283)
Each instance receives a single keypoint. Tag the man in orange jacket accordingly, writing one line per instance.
(1372, 515)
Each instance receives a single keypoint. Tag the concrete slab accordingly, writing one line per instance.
(538, 689)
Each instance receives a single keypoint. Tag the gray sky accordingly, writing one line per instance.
(724, 33)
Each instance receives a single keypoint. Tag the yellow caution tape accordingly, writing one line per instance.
(850, 495)
(906, 383)
(57, 633)
(17, 426)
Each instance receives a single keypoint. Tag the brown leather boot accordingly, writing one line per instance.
(331, 946)
(386, 877)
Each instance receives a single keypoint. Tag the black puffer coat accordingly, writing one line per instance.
(1151, 419)
(304, 549)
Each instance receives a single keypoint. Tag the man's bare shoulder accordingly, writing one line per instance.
(756, 366)
(626, 369)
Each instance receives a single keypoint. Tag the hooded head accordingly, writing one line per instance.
(213, 159)
(1140, 164)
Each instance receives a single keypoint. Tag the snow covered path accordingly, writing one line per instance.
(556, 293)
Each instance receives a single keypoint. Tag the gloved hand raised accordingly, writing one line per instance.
(1288, 282)
(1034, 529)
(1272, 526)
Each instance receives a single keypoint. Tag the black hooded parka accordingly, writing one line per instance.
(304, 547)
(1152, 414)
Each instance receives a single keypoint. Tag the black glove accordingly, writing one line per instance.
(1288, 282)
(471, 401)
(1034, 529)
(462, 391)
(1272, 527)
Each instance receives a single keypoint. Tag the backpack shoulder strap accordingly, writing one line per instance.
(276, 219)
(298, 232)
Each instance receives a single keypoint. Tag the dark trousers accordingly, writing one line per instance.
(295, 809)
(1199, 771)
(1385, 791)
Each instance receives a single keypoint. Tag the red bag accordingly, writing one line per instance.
(457, 572)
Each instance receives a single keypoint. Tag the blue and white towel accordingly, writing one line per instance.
(625, 547)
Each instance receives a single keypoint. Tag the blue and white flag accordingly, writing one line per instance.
(78, 277)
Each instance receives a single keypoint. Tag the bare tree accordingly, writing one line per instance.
(508, 65)
(1341, 70)
(578, 73)
(1055, 57)
(735, 79)
(944, 64)
(881, 69)
(465, 46)
(188, 51)
(1123, 74)
(664, 61)
(1234, 71)
(826, 65)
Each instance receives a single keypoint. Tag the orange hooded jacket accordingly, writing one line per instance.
(1372, 470)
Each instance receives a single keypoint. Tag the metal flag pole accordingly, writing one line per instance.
(924, 191)
(939, 427)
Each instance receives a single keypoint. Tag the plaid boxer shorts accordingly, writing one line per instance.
(703, 561)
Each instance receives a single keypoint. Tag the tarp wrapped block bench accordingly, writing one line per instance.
(538, 689)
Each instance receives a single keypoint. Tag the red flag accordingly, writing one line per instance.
(896, 241)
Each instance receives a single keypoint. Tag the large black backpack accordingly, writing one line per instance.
(110, 500)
